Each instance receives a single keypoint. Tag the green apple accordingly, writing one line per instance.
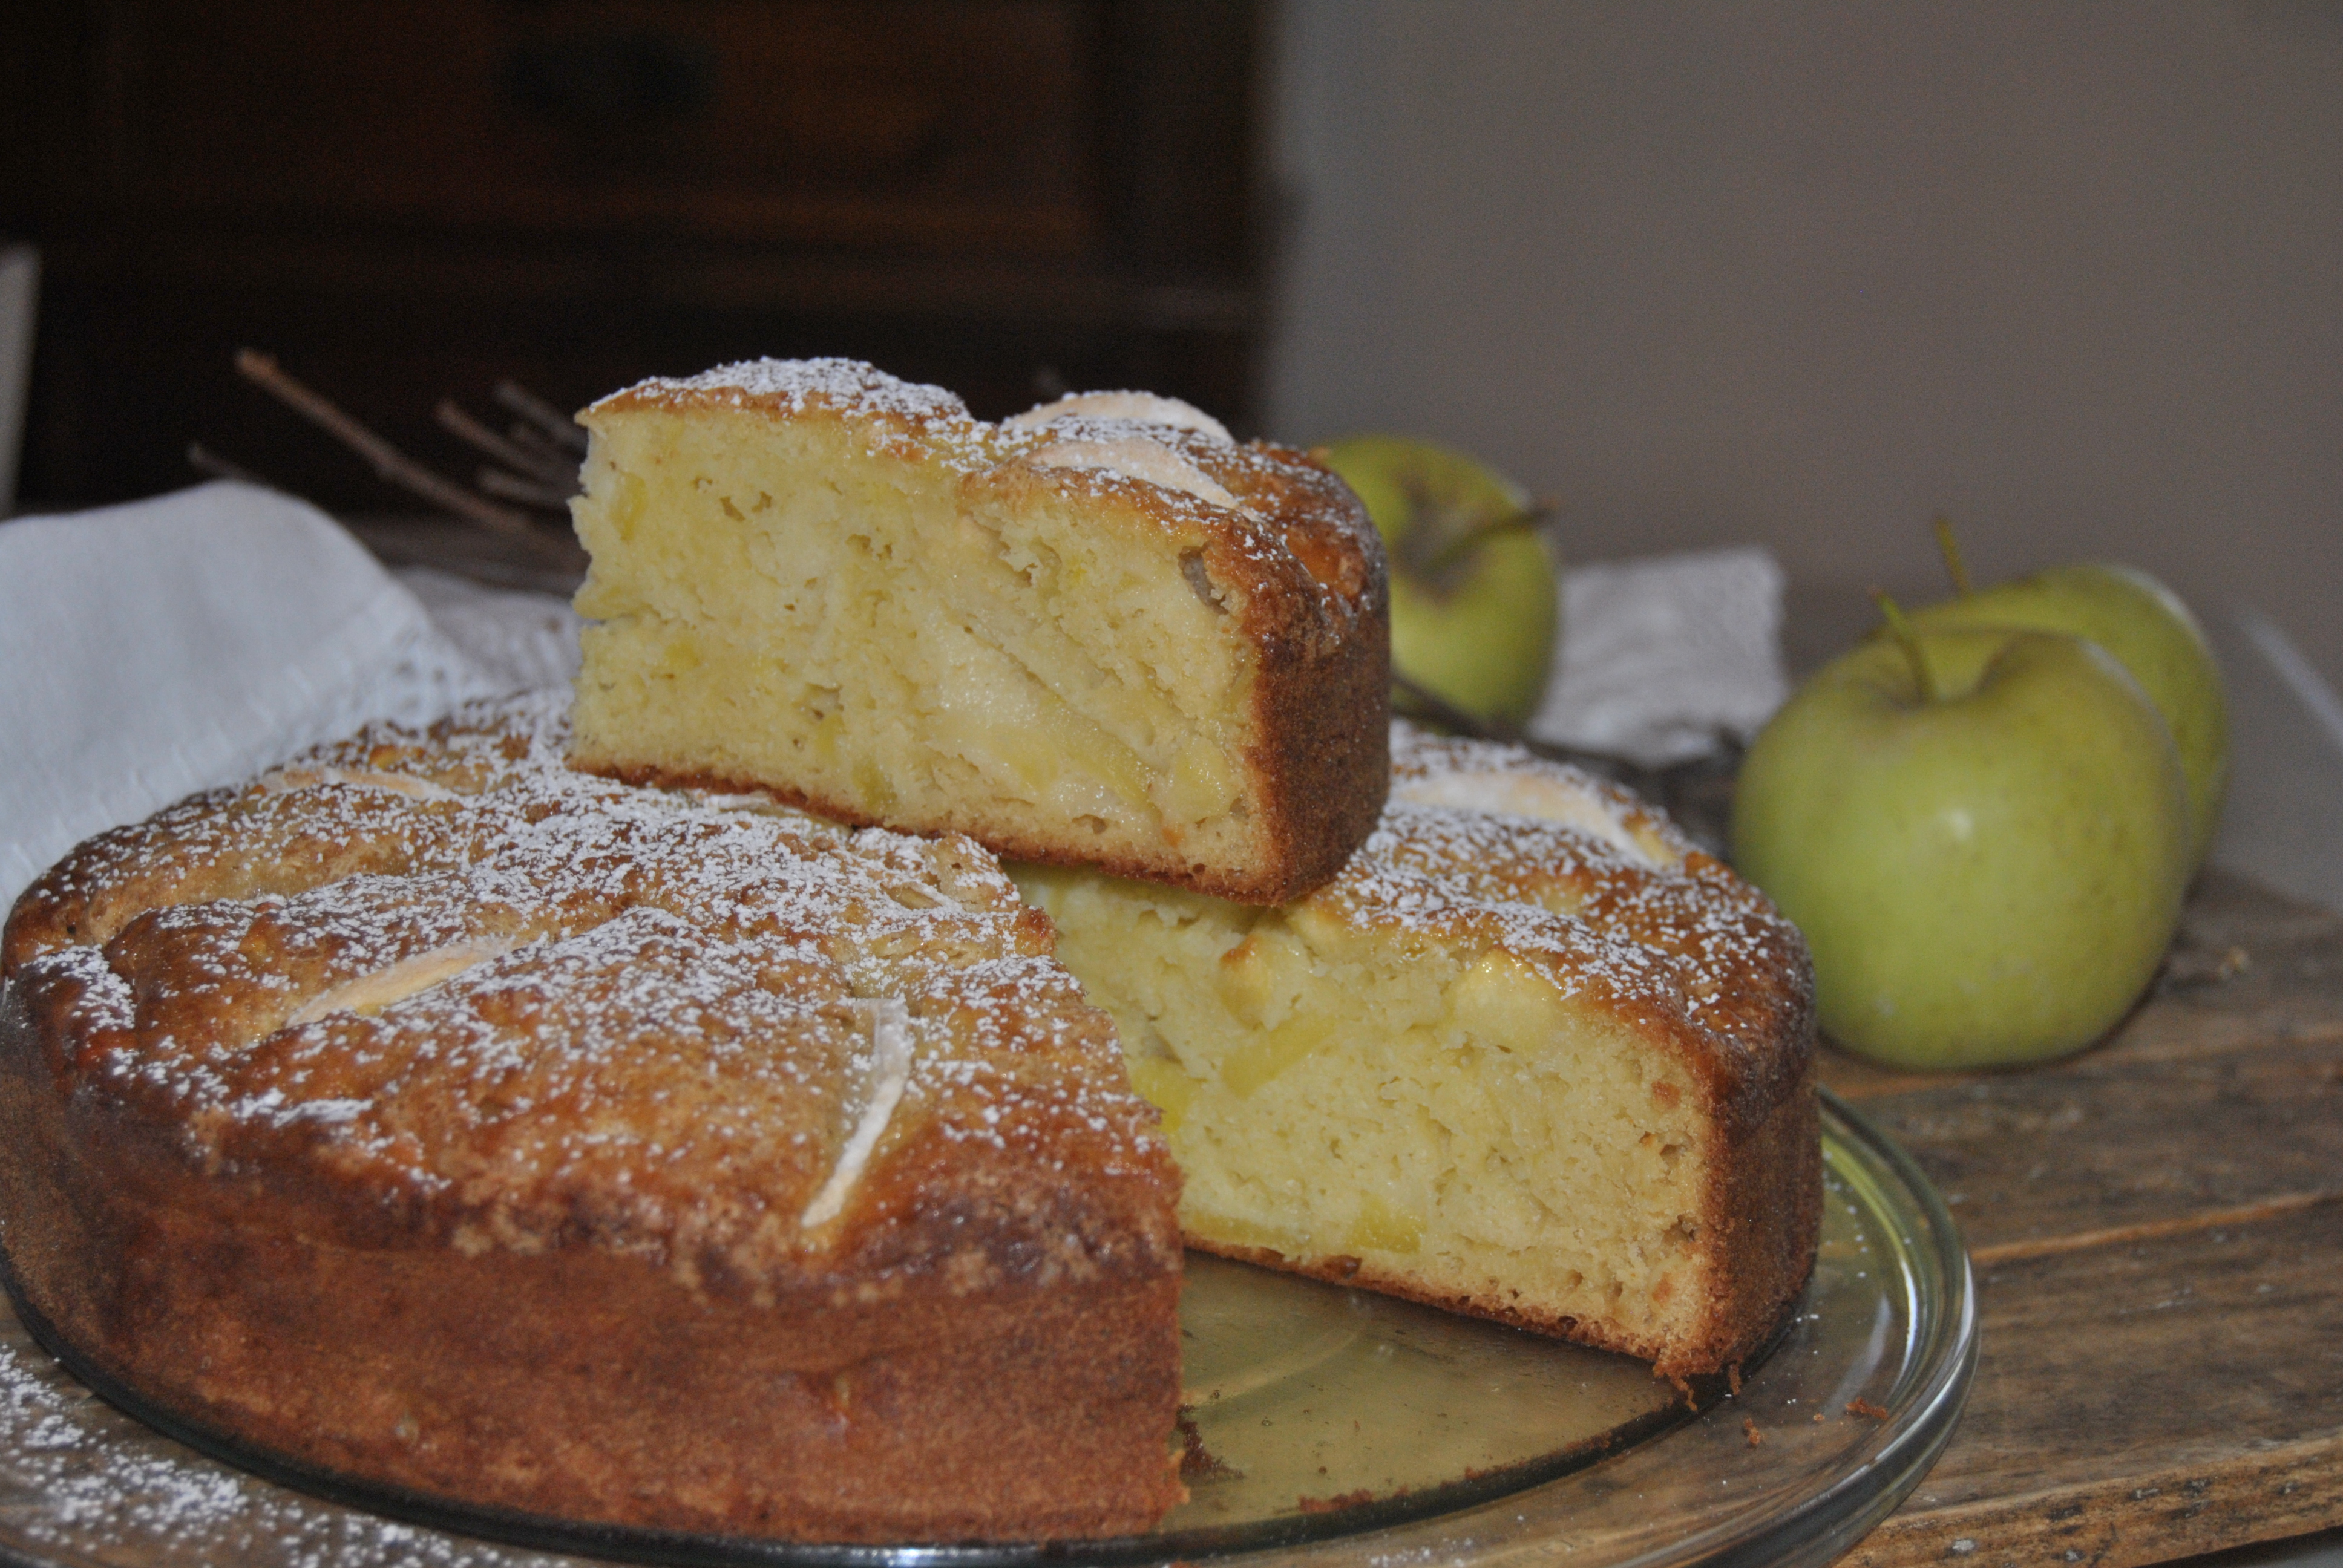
(2148, 629)
(1982, 833)
(1474, 609)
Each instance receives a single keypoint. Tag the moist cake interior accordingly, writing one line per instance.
(841, 587)
(1551, 1072)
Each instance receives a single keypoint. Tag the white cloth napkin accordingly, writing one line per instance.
(519, 642)
(154, 650)
(1660, 654)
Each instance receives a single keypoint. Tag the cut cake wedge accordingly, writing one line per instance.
(1102, 633)
(1529, 1056)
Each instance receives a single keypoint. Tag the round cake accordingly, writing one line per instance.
(430, 1116)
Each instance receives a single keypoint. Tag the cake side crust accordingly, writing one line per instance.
(558, 1385)
(1554, 1071)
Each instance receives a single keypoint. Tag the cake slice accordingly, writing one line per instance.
(429, 1116)
(1102, 633)
(1529, 1056)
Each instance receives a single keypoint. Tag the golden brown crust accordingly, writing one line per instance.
(1295, 559)
(547, 1233)
(1764, 1210)
(1323, 700)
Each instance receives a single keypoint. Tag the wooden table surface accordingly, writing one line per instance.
(2157, 1226)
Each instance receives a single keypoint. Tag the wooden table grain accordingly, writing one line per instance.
(2157, 1226)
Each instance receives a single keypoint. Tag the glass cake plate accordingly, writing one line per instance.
(1326, 1426)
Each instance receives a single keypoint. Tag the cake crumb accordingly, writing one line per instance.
(1198, 1462)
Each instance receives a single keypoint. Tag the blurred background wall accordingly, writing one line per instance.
(1806, 273)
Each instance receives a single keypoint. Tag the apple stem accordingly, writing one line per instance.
(1950, 548)
(1901, 630)
(1531, 516)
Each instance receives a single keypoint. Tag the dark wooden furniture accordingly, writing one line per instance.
(406, 198)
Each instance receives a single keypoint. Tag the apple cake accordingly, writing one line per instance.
(1529, 1056)
(430, 1116)
(1101, 633)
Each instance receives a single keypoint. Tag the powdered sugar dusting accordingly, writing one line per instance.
(1269, 505)
(1430, 770)
(527, 993)
(1139, 408)
(1140, 458)
(1511, 794)
(793, 385)
(285, 779)
(86, 1484)
(1487, 847)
